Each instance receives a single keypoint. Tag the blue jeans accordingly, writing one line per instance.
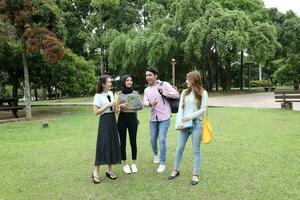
(159, 130)
(196, 133)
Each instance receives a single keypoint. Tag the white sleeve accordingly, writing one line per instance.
(97, 100)
(203, 107)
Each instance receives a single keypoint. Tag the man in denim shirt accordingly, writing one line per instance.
(160, 114)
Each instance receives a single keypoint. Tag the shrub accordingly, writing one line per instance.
(262, 83)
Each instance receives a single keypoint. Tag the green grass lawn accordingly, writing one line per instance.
(255, 154)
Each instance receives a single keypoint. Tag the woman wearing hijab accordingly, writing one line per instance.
(128, 103)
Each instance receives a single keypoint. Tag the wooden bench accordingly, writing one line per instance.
(269, 89)
(287, 98)
(10, 104)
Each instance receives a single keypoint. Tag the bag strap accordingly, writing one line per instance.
(206, 113)
(163, 97)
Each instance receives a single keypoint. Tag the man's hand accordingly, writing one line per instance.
(160, 88)
(154, 102)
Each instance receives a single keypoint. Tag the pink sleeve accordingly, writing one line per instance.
(170, 91)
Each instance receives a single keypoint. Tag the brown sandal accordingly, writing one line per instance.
(95, 179)
(172, 177)
(195, 182)
(111, 176)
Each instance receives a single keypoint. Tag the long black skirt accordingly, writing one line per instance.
(108, 146)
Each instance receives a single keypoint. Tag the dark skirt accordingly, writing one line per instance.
(108, 146)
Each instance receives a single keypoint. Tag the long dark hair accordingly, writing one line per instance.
(124, 89)
(102, 80)
(196, 86)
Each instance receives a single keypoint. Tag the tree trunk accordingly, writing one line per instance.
(56, 94)
(26, 83)
(226, 76)
(49, 93)
(15, 87)
(210, 76)
(35, 94)
(44, 93)
(296, 85)
(242, 69)
(102, 71)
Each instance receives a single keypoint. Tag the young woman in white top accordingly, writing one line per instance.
(107, 147)
(193, 103)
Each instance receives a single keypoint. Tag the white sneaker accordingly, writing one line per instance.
(134, 168)
(156, 159)
(127, 169)
(161, 168)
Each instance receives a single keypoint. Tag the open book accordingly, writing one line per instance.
(133, 101)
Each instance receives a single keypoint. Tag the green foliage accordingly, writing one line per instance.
(263, 42)
(73, 75)
(153, 11)
(187, 11)
(289, 70)
(160, 48)
(100, 3)
(117, 52)
(262, 83)
(125, 36)
(193, 44)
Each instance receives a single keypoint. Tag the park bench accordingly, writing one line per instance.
(269, 89)
(287, 98)
(10, 104)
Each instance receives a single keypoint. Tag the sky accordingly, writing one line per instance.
(284, 5)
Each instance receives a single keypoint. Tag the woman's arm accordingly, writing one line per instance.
(117, 107)
(202, 109)
(179, 115)
(99, 110)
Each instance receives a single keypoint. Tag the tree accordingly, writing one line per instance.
(289, 57)
(32, 30)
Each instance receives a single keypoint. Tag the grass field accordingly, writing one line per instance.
(255, 154)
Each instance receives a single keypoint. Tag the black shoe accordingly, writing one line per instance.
(195, 182)
(95, 179)
(111, 176)
(172, 177)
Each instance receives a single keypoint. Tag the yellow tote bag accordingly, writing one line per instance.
(207, 133)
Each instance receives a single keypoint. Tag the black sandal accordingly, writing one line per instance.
(111, 176)
(172, 177)
(95, 179)
(195, 182)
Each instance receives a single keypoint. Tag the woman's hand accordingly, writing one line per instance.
(179, 128)
(185, 119)
(123, 106)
